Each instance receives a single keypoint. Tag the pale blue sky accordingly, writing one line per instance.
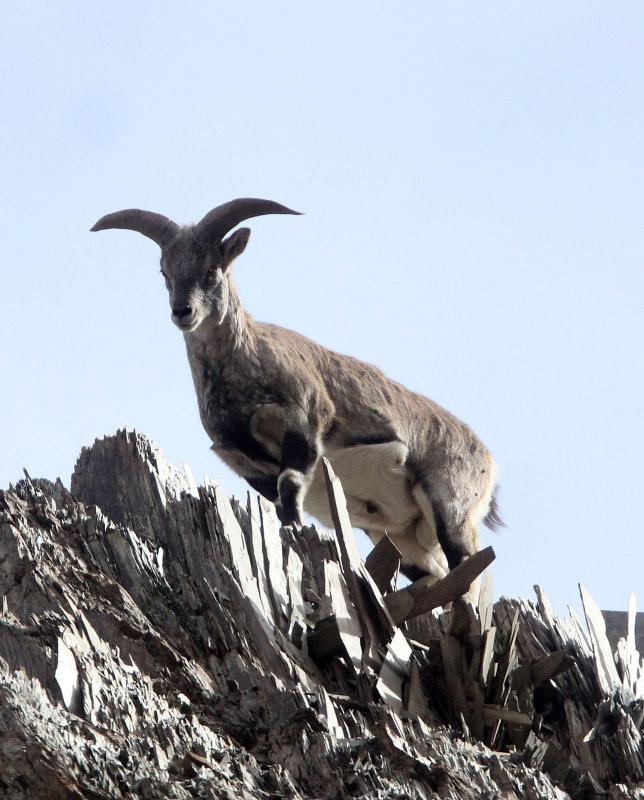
(472, 177)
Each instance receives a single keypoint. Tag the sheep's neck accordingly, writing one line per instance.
(221, 358)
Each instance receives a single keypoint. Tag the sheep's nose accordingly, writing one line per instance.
(181, 312)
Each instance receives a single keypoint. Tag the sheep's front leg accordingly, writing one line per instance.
(298, 459)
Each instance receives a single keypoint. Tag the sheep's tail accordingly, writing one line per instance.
(493, 518)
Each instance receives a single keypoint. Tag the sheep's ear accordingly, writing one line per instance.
(234, 246)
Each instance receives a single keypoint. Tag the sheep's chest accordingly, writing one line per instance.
(226, 411)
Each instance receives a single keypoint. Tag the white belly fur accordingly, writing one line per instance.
(373, 477)
(378, 489)
(381, 498)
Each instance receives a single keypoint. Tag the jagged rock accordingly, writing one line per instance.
(160, 641)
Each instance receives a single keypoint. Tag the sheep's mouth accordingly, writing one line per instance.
(186, 326)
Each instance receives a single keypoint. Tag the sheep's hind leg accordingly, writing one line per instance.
(457, 541)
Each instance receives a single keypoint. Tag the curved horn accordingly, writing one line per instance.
(155, 226)
(217, 223)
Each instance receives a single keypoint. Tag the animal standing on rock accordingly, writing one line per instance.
(274, 402)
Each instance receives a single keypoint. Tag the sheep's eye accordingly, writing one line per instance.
(213, 269)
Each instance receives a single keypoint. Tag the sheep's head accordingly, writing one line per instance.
(195, 259)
